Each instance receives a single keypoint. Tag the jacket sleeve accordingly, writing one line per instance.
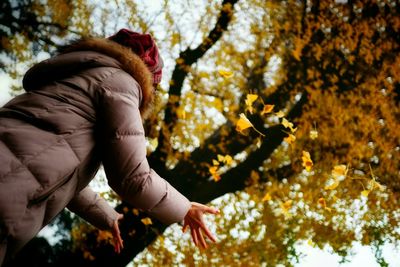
(94, 209)
(125, 162)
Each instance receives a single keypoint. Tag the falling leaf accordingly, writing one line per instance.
(313, 134)
(280, 114)
(225, 159)
(243, 123)
(226, 73)
(221, 158)
(250, 98)
(146, 221)
(365, 193)
(288, 124)
(216, 177)
(267, 109)
(267, 197)
(214, 173)
(307, 162)
(215, 162)
(213, 169)
(228, 159)
(290, 139)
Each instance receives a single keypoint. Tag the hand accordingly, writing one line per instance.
(194, 219)
(118, 242)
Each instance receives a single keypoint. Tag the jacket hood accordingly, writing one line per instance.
(98, 52)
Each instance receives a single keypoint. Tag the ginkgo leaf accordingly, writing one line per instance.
(226, 73)
(216, 177)
(213, 169)
(228, 159)
(225, 159)
(365, 193)
(267, 109)
(280, 114)
(243, 123)
(313, 134)
(146, 221)
(307, 162)
(266, 197)
(214, 173)
(288, 124)
(290, 139)
(250, 98)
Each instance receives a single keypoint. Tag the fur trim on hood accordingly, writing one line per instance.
(130, 62)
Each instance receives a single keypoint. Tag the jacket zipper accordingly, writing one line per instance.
(47, 193)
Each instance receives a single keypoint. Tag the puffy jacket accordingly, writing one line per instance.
(82, 108)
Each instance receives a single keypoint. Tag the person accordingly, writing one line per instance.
(82, 108)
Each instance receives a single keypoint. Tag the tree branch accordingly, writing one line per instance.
(185, 60)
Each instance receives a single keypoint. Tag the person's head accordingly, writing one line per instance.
(144, 46)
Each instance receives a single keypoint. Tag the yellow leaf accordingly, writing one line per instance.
(267, 197)
(213, 169)
(250, 98)
(313, 134)
(225, 73)
(307, 162)
(216, 177)
(243, 123)
(290, 139)
(267, 109)
(365, 193)
(220, 158)
(228, 159)
(146, 221)
(280, 114)
(215, 162)
(288, 124)
(135, 212)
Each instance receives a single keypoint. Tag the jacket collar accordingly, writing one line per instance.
(130, 63)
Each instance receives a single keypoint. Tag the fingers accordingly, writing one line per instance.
(208, 233)
(201, 238)
(194, 235)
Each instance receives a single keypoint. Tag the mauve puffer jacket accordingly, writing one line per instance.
(81, 109)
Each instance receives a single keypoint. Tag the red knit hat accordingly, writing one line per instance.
(144, 46)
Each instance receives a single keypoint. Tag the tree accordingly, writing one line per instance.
(326, 151)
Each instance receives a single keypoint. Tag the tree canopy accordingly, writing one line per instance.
(291, 107)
